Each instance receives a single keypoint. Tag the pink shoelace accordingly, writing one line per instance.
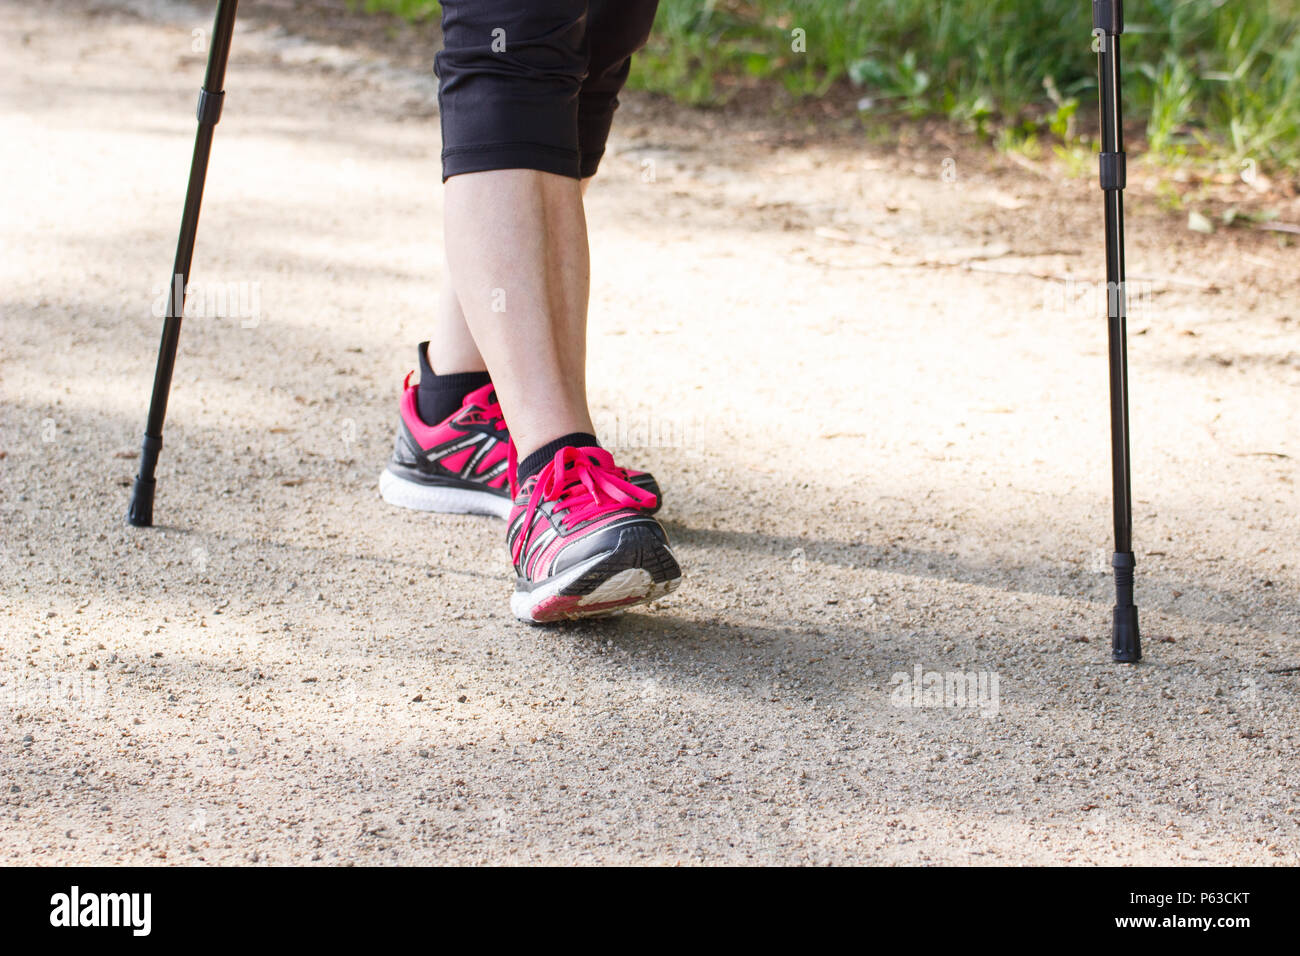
(583, 484)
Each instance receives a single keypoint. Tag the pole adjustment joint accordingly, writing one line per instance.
(209, 109)
(1114, 171)
(151, 445)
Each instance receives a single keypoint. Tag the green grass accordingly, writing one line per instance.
(1216, 78)
(408, 9)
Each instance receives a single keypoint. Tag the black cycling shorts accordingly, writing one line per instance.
(533, 84)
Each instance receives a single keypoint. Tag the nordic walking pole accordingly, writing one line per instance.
(211, 94)
(1108, 24)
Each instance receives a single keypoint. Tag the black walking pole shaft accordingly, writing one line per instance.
(140, 513)
(1108, 24)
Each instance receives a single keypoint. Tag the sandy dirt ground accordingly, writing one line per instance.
(870, 373)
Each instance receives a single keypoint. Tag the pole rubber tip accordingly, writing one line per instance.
(1125, 642)
(140, 513)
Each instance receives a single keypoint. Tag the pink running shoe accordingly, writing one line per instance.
(583, 542)
(459, 465)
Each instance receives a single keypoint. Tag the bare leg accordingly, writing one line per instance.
(516, 243)
(451, 346)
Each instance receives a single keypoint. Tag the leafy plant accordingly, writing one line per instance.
(1221, 77)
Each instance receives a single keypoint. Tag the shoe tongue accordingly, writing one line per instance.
(598, 456)
(586, 453)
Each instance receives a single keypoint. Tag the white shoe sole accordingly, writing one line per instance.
(405, 493)
(628, 588)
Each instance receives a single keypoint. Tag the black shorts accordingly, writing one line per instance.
(533, 84)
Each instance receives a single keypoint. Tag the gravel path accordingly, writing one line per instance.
(882, 432)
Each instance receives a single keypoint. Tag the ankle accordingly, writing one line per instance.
(441, 394)
(536, 460)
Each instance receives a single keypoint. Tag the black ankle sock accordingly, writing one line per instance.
(441, 395)
(538, 459)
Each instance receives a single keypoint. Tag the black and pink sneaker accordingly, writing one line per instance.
(459, 465)
(583, 541)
